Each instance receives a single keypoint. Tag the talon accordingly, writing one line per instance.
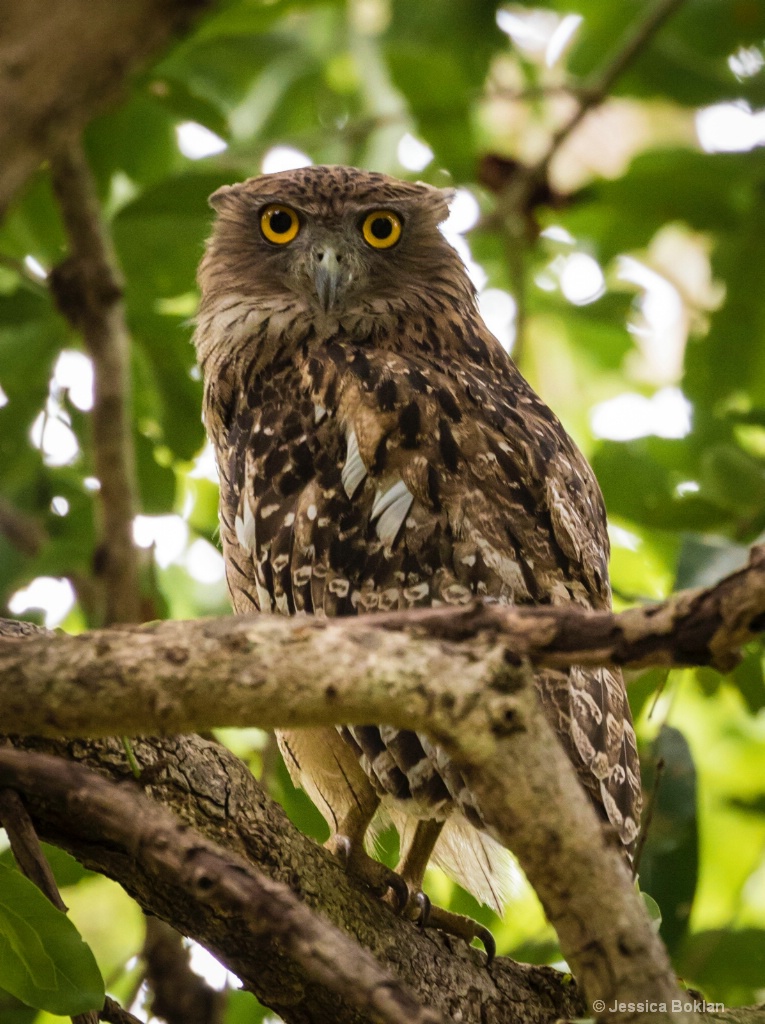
(400, 890)
(340, 846)
(489, 945)
(380, 879)
(423, 902)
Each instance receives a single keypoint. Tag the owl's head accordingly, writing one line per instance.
(333, 241)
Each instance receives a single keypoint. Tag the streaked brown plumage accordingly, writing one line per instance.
(378, 449)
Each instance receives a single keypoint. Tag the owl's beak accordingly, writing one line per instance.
(328, 276)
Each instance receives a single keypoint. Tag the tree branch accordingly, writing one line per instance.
(596, 91)
(113, 1013)
(522, 188)
(20, 530)
(440, 671)
(25, 846)
(63, 61)
(213, 792)
(87, 287)
(176, 856)
(178, 995)
(158, 677)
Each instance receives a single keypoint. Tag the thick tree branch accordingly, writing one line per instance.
(88, 290)
(446, 673)
(213, 792)
(63, 61)
(158, 677)
(175, 856)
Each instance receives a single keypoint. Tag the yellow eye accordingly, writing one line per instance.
(279, 224)
(381, 229)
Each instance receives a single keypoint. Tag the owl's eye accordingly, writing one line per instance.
(279, 224)
(381, 229)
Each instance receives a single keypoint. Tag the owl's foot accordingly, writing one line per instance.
(420, 910)
(418, 907)
(381, 879)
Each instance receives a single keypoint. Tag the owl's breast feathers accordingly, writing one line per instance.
(418, 468)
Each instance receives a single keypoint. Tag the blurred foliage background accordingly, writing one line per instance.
(630, 289)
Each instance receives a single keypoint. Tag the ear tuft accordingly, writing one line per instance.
(221, 196)
(438, 199)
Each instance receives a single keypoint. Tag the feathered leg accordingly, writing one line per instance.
(411, 867)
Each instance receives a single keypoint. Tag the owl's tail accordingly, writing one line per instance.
(478, 863)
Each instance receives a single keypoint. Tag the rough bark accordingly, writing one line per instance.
(481, 709)
(206, 874)
(213, 792)
(450, 674)
(63, 61)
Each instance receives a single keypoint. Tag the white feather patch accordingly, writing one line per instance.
(245, 528)
(354, 469)
(391, 508)
(319, 412)
(478, 863)
(264, 598)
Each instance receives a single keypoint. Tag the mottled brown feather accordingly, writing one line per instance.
(388, 454)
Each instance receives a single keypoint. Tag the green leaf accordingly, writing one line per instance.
(704, 561)
(754, 805)
(545, 952)
(32, 226)
(441, 81)
(43, 959)
(729, 361)
(736, 481)
(749, 677)
(169, 395)
(160, 236)
(720, 960)
(708, 191)
(137, 139)
(644, 688)
(186, 105)
(654, 911)
(243, 1008)
(13, 1011)
(639, 480)
(669, 864)
(156, 482)
(686, 60)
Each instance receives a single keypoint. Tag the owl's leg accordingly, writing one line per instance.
(322, 763)
(348, 844)
(415, 856)
(411, 867)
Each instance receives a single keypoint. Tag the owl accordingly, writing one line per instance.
(379, 450)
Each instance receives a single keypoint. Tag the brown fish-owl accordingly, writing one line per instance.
(378, 449)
